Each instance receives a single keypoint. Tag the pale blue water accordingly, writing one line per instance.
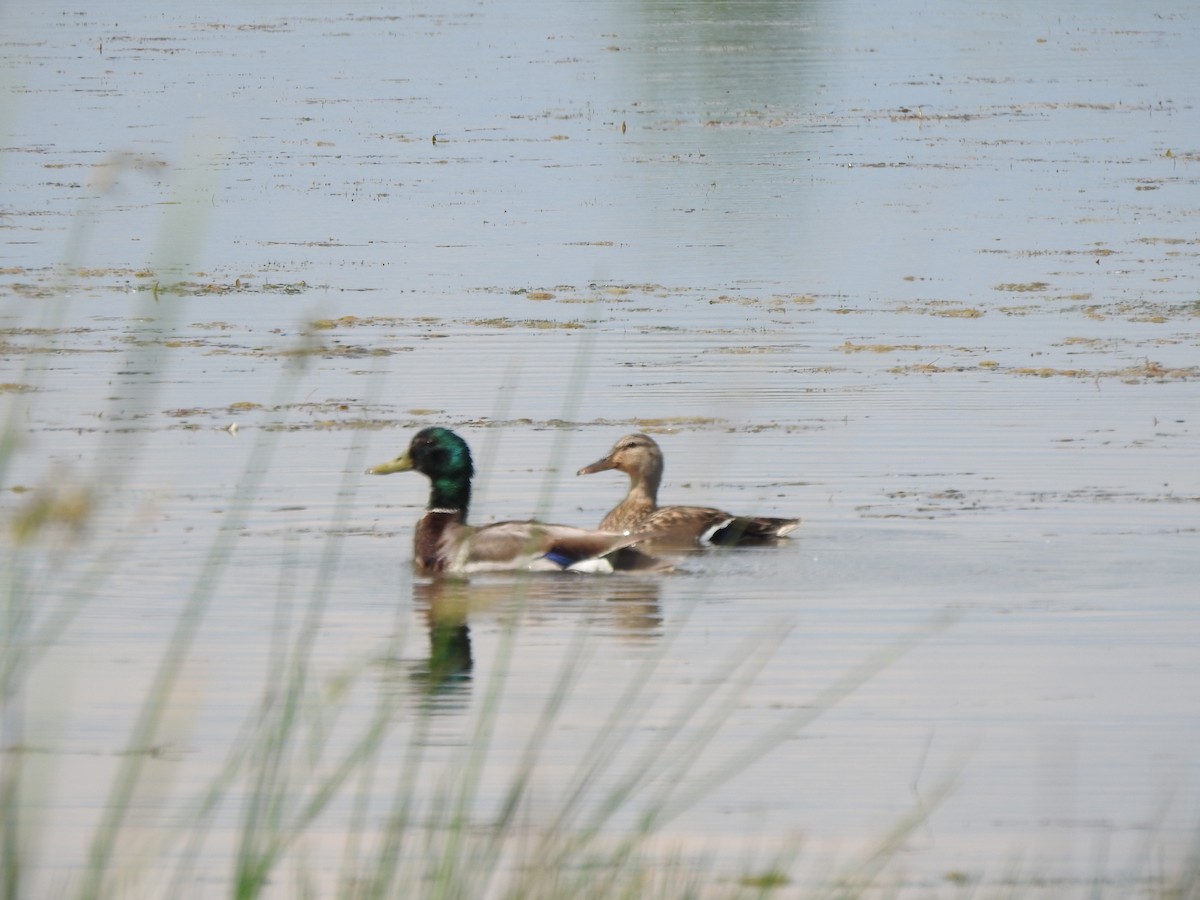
(923, 274)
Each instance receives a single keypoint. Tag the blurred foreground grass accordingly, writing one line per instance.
(292, 759)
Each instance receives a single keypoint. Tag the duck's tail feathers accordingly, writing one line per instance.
(749, 529)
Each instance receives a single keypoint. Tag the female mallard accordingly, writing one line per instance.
(443, 542)
(639, 457)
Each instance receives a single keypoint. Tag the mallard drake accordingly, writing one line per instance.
(639, 457)
(443, 542)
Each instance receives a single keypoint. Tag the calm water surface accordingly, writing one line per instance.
(923, 274)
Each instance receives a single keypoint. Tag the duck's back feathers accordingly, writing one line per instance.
(528, 546)
(628, 516)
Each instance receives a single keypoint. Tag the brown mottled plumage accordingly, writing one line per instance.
(443, 542)
(639, 457)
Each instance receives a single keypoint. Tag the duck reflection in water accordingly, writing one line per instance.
(447, 673)
(630, 609)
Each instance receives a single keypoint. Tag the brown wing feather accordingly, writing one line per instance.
(683, 524)
(702, 524)
(629, 515)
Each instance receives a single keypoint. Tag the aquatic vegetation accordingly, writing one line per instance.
(851, 347)
(959, 313)
(533, 324)
(1023, 288)
(676, 422)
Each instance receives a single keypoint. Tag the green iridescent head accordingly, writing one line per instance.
(445, 458)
